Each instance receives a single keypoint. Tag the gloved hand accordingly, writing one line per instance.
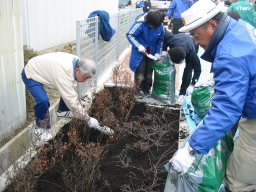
(182, 160)
(158, 56)
(164, 53)
(141, 49)
(190, 89)
(93, 123)
(181, 99)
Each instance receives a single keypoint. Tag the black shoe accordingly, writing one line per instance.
(147, 94)
(139, 95)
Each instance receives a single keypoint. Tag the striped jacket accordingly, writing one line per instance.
(141, 34)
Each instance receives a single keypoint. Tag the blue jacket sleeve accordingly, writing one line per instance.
(190, 3)
(133, 33)
(171, 9)
(231, 85)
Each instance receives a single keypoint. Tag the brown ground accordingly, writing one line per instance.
(81, 159)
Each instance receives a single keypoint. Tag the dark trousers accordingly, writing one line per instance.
(143, 75)
(63, 106)
(186, 79)
(176, 25)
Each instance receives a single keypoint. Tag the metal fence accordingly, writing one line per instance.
(51, 23)
(90, 44)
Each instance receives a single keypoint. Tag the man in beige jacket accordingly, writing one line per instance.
(58, 71)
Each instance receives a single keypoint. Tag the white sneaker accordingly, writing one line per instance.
(68, 114)
(43, 134)
(106, 130)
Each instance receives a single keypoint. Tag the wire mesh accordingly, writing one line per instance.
(105, 53)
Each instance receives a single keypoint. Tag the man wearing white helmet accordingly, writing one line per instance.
(230, 46)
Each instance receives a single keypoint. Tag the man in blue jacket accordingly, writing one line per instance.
(175, 9)
(139, 4)
(182, 47)
(230, 46)
(146, 36)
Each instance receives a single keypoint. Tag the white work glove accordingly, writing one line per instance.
(158, 56)
(181, 99)
(141, 49)
(182, 160)
(93, 123)
(190, 89)
(164, 53)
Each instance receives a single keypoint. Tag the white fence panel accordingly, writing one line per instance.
(50, 23)
(105, 54)
(12, 91)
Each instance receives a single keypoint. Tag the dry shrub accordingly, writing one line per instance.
(25, 179)
(77, 153)
(29, 53)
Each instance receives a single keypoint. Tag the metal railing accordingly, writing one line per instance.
(90, 45)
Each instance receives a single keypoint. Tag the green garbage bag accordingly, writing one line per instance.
(206, 173)
(201, 98)
(164, 80)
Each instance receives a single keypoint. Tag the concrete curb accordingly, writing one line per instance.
(15, 152)
(19, 150)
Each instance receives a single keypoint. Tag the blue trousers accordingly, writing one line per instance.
(42, 105)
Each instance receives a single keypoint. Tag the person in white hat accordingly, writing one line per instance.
(230, 46)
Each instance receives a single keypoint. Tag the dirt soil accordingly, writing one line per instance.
(82, 159)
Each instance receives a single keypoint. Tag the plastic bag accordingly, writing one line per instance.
(206, 173)
(164, 81)
(201, 98)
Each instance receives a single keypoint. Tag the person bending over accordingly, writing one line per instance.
(58, 71)
(182, 48)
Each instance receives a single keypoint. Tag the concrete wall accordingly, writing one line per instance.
(49, 23)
